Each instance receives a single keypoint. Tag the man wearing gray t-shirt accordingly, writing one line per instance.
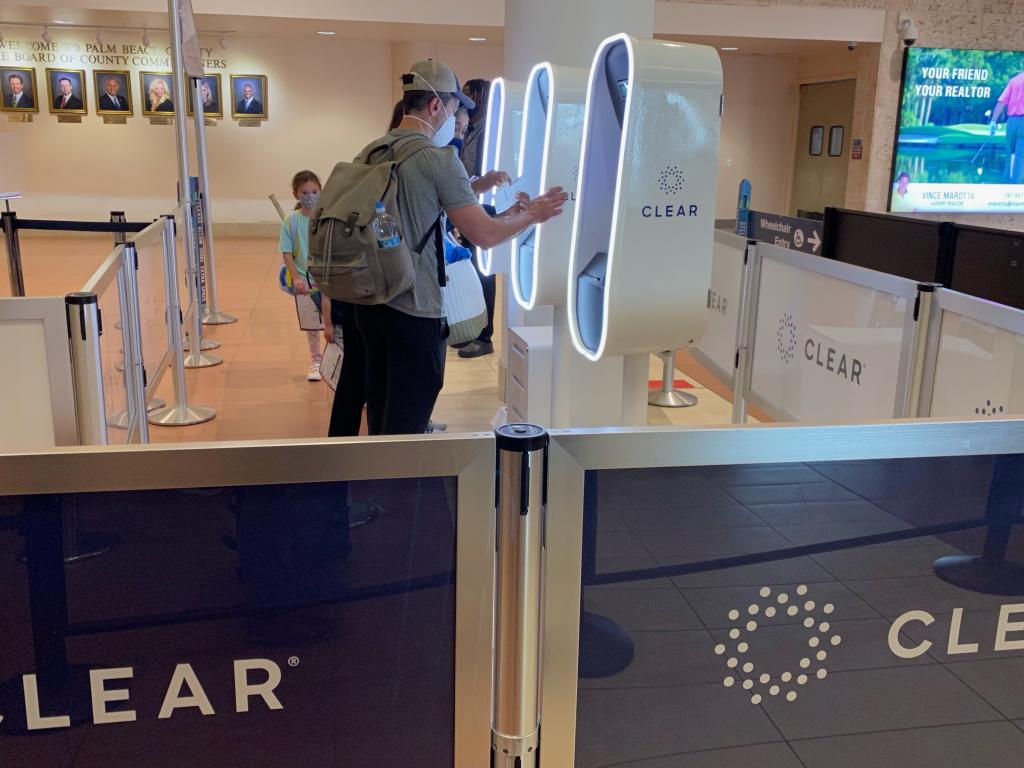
(405, 339)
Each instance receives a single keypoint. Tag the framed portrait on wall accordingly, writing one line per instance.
(157, 93)
(113, 92)
(249, 96)
(67, 91)
(18, 88)
(213, 104)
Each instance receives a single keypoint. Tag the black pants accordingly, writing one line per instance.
(350, 397)
(404, 368)
(490, 286)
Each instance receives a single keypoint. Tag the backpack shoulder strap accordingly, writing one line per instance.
(399, 150)
(437, 231)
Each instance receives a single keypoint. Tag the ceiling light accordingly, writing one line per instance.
(729, 48)
(46, 36)
(326, 32)
(478, 39)
(146, 39)
(58, 21)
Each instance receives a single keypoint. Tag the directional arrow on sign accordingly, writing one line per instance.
(815, 241)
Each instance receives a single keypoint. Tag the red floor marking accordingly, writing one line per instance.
(679, 384)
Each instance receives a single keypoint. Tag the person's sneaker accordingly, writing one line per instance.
(477, 349)
(314, 373)
(436, 426)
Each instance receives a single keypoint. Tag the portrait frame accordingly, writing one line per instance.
(238, 82)
(219, 102)
(27, 74)
(53, 76)
(144, 79)
(124, 77)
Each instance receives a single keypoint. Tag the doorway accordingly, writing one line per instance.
(822, 147)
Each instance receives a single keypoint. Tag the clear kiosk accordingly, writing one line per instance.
(582, 391)
(501, 141)
(501, 151)
(643, 227)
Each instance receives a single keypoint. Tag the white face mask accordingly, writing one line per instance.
(446, 132)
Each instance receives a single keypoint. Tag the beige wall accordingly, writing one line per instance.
(761, 103)
(327, 99)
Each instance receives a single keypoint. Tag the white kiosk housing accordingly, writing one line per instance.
(643, 229)
(501, 142)
(581, 391)
(549, 156)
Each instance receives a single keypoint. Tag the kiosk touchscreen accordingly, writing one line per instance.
(643, 228)
(501, 142)
(548, 157)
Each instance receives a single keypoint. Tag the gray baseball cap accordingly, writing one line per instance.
(429, 74)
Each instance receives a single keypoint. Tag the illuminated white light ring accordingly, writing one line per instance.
(485, 256)
(529, 302)
(627, 116)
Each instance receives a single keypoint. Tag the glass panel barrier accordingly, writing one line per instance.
(799, 597)
(152, 303)
(263, 607)
(108, 287)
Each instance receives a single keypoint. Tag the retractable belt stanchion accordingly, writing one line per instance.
(180, 413)
(133, 363)
(745, 331)
(196, 358)
(14, 271)
(213, 314)
(518, 609)
(84, 330)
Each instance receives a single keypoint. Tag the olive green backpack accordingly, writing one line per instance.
(344, 258)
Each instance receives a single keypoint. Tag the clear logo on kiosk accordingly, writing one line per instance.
(670, 183)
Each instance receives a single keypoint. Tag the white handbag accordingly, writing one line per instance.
(465, 308)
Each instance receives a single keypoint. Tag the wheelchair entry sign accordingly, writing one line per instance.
(804, 235)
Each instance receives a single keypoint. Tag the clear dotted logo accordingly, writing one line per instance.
(988, 409)
(576, 174)
(786, 335)
(671, 180)
(740, 653)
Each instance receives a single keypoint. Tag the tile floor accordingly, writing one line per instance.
(681, 704)
(260, 391)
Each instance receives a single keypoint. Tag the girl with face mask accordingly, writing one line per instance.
(294, 247)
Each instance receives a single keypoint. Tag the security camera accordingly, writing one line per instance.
(851, 46)
(908, 30)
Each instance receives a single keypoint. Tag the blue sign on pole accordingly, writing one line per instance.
(743, 209)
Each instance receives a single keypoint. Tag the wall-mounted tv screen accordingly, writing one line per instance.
(960, 133)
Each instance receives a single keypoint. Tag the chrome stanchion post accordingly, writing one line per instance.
(180, 414)
(515, 715)
(668, 396)
(84, 329)
(920, 375)
(745, 330)
(196, 358)
(14, 271)
(213, 314)
(134, 365)
(85, 326)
